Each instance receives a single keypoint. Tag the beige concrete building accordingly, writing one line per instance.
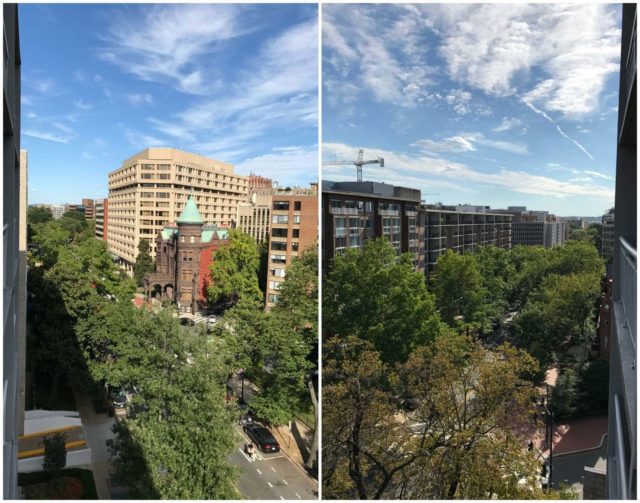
(102, 218)
(254, 218)
(151, 189)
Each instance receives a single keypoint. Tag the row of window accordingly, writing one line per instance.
(282, 246)
(283, 233)
(284, 205)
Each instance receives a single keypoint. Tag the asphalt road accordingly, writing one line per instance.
(271, 476)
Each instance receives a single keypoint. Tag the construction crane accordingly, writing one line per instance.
(358, 164)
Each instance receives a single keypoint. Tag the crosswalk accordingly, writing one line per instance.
(198, 318)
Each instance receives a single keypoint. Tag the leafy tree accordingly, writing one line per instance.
(594, 386)
(496, 271)
(144, 263)
(73, 222)
(38, 215)
(55, 456)
(50, 237)
(234, 271)
(376, 295)
(565, 394)
(457, 284)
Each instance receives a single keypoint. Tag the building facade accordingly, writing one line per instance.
(254, 217)
(293, 228)
(608, 235)
(151, 189)
(184, 254)
(463, 229)
(353, 212)
(14, 263)
(57, 210)
(101, 210)
(622, 438)
(536, 228)
(89, 210)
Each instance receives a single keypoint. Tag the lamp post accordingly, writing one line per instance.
(548, 416)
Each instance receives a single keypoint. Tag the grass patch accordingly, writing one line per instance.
(26, 480)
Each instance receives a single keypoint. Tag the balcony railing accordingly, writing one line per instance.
(344, 211)
(628, 288)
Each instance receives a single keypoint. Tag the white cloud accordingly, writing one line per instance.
(294, 165)
(140, 98)
(489, 46)
(43, 135)
(507, 124)
(459, 100)
(465, 142)
(430, 170)
(65, 129)
(166, 43)
(598, 174)
(82, 105)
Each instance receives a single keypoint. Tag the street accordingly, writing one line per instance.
(271, 476)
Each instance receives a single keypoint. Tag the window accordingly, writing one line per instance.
(273, 298)
(279, 233)
(294, 246)
(193, 239)
(187, 256)
(278, 246)
(280, 219)
(274, 285)
(280, 205)
(278, 259)
(297, 205)
(368, 206)
(185, 294)
(187, 274)
(279, 273)
(147, 176)
(296, 219)
(295, 233)
(182, 239)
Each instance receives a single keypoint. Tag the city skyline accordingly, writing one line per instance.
(236, 83)
(482, 104)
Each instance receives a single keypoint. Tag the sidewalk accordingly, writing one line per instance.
(295, 443)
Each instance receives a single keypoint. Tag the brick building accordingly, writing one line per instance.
(184, 252)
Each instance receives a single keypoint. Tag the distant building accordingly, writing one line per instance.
(462, 229)
(14, 272)
(254, 217)
(353, 212)
(184, 254)
(74, 208)
(89, 212)
(151, 189)
(622, 437)
(608, 235)
(101, 210)
(536, 228)
(293, 228)
(258, 183)
(57, 210)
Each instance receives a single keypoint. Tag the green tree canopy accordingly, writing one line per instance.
(234, 271)
(38, 215)
(377, 296)
(144, 262)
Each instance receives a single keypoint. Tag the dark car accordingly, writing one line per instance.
(187, 322)
(118, 397)
(262, 438)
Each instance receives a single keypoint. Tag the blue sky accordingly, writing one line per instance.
(237, 83)
(482, 104)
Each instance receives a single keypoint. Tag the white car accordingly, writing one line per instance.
(212, 319)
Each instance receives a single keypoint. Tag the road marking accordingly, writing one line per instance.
(272, 457)
(273, 468)
(281, 498)
(270, 484)
(298, 496)
(285, 482)
(259, 471)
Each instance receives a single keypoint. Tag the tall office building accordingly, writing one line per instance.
(608, 232)
(254, 217)
(622, 438)
(463, 229)
(151, 189)
(353, 212)
(14, 265)
(536, 228)
(89, 212)
(101, 210)
(293, 228)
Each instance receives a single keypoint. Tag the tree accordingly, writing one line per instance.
(457, 285)
(377, 296)
(234, 271)
(55, 456)
(564, 396)
(144, 263)
(38, 215)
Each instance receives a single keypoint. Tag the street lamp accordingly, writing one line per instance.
(548, 417)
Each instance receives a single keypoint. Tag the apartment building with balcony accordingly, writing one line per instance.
(353, 212)
(463, 229)
(151, 189)
(89, 208)
(101, 210)
(622, 438)
(293, 228)
(14, 272)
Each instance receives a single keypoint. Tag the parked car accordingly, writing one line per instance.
(187, 322)
(118, 397)
(262, 438)
(212, 319)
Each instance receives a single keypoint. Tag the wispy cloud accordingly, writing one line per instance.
(430, 169)
(465, 142)
(82, 105)
(507, 124)
(295, 164)
(43, 135)
(140, 98)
